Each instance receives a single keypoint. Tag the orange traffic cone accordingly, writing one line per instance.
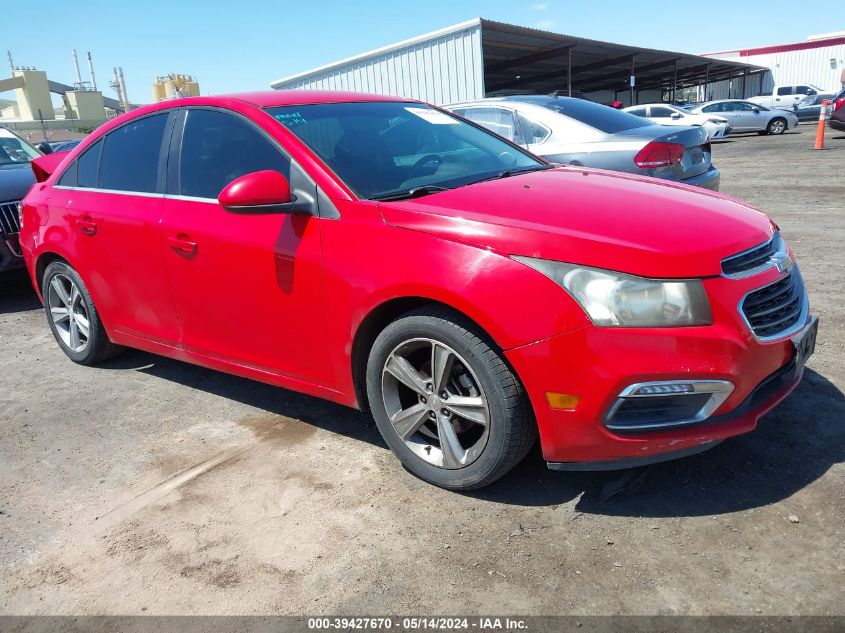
(822, 119)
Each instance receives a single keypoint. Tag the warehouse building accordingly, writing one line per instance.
(481, 58)
(819, 61)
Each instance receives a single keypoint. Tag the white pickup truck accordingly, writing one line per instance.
(785, 97)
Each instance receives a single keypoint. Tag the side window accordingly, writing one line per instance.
(785, 90)
(218, 147)
(83, 171)
(131, 155)
(532, 131)
(661, 113)
(804, 90)
(638, 111)
(716, 107)
(496, 120)
(68, 179)
(88, 165)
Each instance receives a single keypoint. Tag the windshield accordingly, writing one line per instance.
(601, 117)
(15, 151)
(384, 148)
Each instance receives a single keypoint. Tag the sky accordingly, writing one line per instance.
(245, 44)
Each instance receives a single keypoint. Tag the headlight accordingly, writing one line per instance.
(614, 299)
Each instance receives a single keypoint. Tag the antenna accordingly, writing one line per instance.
(11, 63)
(91, 70)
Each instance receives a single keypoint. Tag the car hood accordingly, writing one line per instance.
(591, 217)
(15, 182)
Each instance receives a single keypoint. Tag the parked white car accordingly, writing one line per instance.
(716, 126)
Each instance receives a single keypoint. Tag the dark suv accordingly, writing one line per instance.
(837, 115)
(16, 178)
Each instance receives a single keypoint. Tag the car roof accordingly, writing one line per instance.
(260, 99)
(722, 101)
(271, 98)
(657, 104)
(532, 99)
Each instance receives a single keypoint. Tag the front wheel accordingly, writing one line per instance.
(73, 318)
(776, 126)
(445, 401)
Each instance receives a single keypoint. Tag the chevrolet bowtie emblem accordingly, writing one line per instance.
(782, 262)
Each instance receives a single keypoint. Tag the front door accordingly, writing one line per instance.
(247, 287)
(744, 117)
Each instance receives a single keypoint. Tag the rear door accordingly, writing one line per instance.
(247, 287)
(112, 195)
(784, 97)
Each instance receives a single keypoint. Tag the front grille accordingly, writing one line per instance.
(9, 219)
(775, 309)
(753, 259)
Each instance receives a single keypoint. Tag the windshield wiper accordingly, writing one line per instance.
(516, 171)
(414, 192)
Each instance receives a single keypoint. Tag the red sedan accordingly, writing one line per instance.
(388, 255)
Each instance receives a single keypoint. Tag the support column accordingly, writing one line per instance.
(675, 81)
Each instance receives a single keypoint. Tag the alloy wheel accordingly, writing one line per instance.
(435, 403)
(68, 312)
(778, 127)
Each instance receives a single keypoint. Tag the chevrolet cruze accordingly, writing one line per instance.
(388, 255)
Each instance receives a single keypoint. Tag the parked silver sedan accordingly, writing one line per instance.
(745, 116)
(579, 132)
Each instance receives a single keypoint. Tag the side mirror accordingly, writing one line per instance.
(755, 109)
(258, 192)
(676, 115)
(44, 147)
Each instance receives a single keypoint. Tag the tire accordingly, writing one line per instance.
(69, 307)
(473, 372)
(776, 126)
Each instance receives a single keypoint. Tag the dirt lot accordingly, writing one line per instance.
(147, 485)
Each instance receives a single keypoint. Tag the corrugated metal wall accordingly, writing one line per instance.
(733, 89)
(821, 67)
(441, 70)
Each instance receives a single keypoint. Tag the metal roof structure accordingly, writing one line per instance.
(528, 59)
(482, 57)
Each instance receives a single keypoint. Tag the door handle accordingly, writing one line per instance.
(182, 244)
(86, 225)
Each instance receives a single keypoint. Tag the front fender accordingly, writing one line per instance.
(367, 264)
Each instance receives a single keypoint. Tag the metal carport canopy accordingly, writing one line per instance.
(519, 59)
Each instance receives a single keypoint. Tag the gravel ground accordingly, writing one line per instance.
(151, 486)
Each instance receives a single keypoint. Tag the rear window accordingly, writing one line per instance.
(604, 118)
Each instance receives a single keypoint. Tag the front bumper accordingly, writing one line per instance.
(10, 254)
(597, 364)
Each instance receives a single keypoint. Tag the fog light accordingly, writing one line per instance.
(562, 400)
(664, 388)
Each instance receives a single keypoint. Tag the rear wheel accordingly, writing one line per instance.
(446, 402)
(776, 126)
(73, 318)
